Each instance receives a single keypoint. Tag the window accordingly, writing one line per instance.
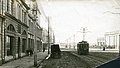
(7, 5)
(19, 12)
(29, 25)
(12, 6)
(25, 19)
(11, 28)
(0, 6)
(22, 16)
(19, 28)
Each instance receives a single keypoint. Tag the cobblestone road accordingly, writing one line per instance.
(72, 60)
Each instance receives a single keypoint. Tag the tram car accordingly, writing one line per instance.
(55, 51)
(83, 48)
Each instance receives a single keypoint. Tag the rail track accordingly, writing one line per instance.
(71, 59)
(94, 59)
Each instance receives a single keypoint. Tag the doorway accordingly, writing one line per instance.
(18, 48)
(10, 45)
(23, 45)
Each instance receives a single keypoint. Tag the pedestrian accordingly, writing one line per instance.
(103, 48)
(31, 52)
(43, 49)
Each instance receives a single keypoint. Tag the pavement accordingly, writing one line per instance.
(101, 50)
(93, 50)
(112, 64)
(26, 62)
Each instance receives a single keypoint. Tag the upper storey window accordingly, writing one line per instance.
(12, 2)
(11, 28)
(7, 5)
(10, 6)
(19, 12)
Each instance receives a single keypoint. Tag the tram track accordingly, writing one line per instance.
(70, 59)
(87, 65)
(106, 56)
(92, 60)
(88, 60)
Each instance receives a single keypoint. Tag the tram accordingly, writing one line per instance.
(55, 51)
(83, 48)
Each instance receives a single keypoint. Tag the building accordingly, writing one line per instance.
(117, 2)
(112, 39)
(101, 41)
(45, 38)
(19, 28)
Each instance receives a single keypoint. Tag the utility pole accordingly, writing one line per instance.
(119, 45)
(84, 32)
(53, 38)
(35, 30)
(35, 47)
(66, 45)
(69, 42)
(48, 36)
(74, 41)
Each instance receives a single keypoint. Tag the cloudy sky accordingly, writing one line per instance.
(68, 17)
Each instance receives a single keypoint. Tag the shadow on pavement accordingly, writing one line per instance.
(113, 64)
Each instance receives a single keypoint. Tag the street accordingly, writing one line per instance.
(70, 59)
(85, 33)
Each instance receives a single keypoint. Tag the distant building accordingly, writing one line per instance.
(63, 45)
(117, 2)
(101, 41)
(45, 38)
(112, 39)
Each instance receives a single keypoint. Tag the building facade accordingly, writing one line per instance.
(101, 41)
(19, 28)
(112, 39)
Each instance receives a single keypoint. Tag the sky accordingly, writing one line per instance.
(67, 18)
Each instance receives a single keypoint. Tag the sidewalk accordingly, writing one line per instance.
(25, 62)
(101, 50)
(113, 64)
